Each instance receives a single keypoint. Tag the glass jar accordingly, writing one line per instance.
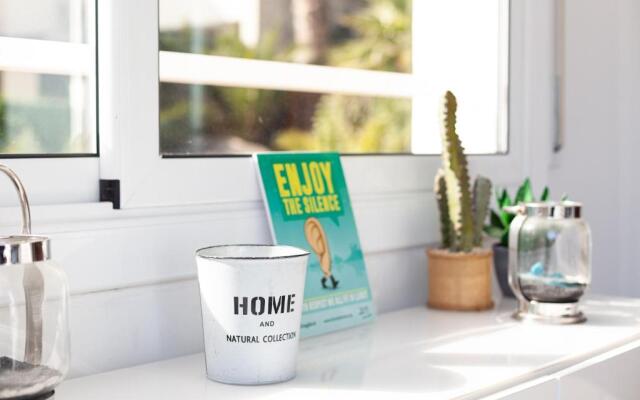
(550, 260)
(34, 334)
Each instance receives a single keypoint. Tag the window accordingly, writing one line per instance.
(355, 76)
(47, 80)
(203, 78)
(165, 109)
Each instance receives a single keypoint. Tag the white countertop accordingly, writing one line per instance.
(415, 352)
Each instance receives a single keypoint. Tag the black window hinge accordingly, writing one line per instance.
(110, 191)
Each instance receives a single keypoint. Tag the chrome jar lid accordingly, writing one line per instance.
(19, 249)
(24, 248)
(560, 209)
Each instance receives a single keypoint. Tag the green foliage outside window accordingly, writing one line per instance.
(377, 36)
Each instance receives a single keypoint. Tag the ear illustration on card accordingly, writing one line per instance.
(317, 239)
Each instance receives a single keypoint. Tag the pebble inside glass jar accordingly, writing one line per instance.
(552, 268)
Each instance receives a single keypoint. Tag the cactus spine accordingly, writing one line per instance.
(463, 217)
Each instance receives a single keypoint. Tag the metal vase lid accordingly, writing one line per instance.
(559, 209)
(22, 248)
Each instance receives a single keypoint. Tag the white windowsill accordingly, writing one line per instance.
(406, 354)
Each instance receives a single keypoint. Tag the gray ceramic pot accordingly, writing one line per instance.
(501, 265)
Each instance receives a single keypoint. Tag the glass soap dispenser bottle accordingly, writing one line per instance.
(34, 333)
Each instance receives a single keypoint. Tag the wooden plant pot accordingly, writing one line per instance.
(460, 281)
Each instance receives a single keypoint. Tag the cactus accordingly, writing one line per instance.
(481, 197)
(457, 178)
(461, 220)
(446, 228)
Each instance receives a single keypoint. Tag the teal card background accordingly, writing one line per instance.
(325, 309)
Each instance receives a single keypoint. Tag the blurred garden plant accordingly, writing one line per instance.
(376, 35)
(382, 38)
(242, 112)
(381, 41)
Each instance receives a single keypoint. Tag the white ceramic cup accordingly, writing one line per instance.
(251, 298)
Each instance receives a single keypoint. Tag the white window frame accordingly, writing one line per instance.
(128, 121)
(129, 115)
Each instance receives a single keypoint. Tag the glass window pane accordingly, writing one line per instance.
(237, 114)
(47, 85)
(198, 120)
(44, 114)
(61, 20)
(369, 34)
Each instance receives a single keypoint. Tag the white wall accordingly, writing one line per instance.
(629, 109)
(598, 164)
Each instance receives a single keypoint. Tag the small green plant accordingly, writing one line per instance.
(462, 210)
(501, 218)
